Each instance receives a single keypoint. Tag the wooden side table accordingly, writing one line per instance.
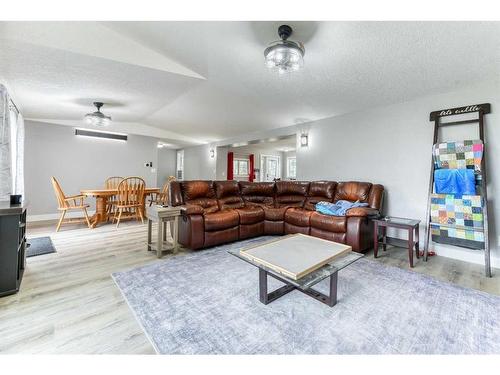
(401, 223)
(163, 215)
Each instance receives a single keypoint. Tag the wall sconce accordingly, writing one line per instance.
(212, 153)
(304, 140)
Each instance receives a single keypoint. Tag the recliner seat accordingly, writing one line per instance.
(217, 212)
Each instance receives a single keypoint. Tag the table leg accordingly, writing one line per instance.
(159, 245)
(101, 211)
(265, 297)
(417, 241)
(375, 239)
(384, 238)
(150, 229)
(410, 246)
(263, 286)
(175, 234)
(164, 223)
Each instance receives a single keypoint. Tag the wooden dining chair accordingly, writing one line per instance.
(65, 204)
(112, 183)
(130, 199)
(161, 197)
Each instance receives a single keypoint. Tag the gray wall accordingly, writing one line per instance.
(166, 165)
(79, 162)
(198, 165)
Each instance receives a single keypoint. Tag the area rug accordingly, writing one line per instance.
(207, 302)
(40, 246)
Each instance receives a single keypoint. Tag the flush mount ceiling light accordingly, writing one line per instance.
(97, 118)
(284, 55)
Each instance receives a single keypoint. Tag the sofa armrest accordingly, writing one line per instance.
(192, 209)
(363, 212)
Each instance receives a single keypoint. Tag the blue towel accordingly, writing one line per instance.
(338, 208)
(454, 181)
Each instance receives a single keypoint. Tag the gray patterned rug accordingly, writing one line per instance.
(40, 246)
(207, 303)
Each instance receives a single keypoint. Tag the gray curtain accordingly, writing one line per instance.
(11, 148)
(5, 154)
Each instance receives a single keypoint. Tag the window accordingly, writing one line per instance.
(291, 167)
(241, 167)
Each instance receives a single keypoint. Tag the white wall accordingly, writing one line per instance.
(79, 163)
(392, 146)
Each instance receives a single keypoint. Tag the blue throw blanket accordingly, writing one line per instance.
(338, 208)
(454, 181)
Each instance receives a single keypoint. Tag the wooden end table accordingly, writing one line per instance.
(163, 215)
(401, 223)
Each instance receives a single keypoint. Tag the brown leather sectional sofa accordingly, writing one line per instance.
(218, 212)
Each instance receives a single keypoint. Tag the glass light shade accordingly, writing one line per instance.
(304, 140)
(284, 56)
(97, 119)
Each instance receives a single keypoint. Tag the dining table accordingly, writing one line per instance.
(101, 202)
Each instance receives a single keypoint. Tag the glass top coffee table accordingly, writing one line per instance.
(302, 250)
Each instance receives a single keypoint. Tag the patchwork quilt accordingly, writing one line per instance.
(457, 218)
(458, 155)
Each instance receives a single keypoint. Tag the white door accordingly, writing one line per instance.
(270, 166)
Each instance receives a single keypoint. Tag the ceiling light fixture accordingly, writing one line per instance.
(97, 118)
(284, 55)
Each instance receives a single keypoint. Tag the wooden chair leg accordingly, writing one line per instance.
(137, 214)
(140, 213)
(63, 213)
(119, 217)
(87, 217)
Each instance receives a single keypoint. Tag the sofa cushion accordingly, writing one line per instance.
(337, 224)
(257, 193)
(291, 193)
(209, 205)
(298, 217)
(319, 191)
(275, 214)
(352, 191)
(221, 220)
(200, 193)
(228, 194)
(197, 189)
(250, 215)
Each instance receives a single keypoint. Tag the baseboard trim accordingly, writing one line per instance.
(448, 251)
(53, 217)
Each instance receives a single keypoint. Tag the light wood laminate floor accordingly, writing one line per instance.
(68, 302)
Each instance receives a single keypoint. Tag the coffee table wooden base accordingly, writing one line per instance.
(266, 297)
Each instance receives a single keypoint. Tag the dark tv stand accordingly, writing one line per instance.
(12, 247)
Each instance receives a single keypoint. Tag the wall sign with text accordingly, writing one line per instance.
(485, 108)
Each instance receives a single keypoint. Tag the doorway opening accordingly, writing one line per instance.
(261, 160)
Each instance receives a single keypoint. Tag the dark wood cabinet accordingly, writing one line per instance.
(12, 247)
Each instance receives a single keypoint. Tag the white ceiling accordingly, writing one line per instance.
(196, 82)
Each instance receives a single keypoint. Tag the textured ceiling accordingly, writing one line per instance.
(192, 82)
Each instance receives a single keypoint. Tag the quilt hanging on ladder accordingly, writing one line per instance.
(457, 218)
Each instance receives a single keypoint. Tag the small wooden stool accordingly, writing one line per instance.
(401, 223)
(163, 215)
